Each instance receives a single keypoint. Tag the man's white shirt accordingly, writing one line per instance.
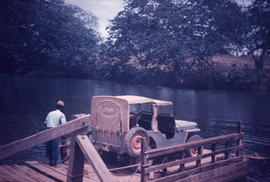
(55, 118)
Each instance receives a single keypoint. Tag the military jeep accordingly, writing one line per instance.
(119, 122)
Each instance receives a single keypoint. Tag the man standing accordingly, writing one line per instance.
(53, 119)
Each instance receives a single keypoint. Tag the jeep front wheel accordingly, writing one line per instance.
(193, 152)
(133, 141)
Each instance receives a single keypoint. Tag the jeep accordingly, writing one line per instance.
(119, 122)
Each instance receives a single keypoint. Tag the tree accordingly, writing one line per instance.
(168, 32)
(259, 32)
(45, 35)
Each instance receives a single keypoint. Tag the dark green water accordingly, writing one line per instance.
(25, 102)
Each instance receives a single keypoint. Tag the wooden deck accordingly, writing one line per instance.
(21, 173)
(37, 171)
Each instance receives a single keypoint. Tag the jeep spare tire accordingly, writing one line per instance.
(133, 141)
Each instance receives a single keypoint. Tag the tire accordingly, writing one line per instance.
(133, 141)
(193, 152)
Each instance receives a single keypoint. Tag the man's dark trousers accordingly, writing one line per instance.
(52, 151)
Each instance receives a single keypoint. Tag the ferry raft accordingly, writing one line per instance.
(222, 159)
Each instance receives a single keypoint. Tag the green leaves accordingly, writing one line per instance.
(171, 31)
(45, 35)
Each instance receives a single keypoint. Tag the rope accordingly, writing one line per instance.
(124, 167)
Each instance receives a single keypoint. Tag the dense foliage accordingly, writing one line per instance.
(44, 37)
(177, 39)
(161, 42)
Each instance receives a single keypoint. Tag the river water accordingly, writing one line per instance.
(25, 102)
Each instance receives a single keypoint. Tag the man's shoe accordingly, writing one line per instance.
(54, 163)
(50, 163)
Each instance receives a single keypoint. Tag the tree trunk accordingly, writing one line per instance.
(258, 64)
(178, 71)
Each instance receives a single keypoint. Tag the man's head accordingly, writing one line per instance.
(60, 105)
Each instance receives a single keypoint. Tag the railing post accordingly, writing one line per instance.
(239, 127)
(182, 166)
(164, 171)
(239, 141)
(76, 162)
(198, 162)
(93, 158)
(213, 149)
(144, 161)
(226, 146)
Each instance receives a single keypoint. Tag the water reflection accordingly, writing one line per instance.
(24, 103)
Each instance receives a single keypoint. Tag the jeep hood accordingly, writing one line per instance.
(185, 125)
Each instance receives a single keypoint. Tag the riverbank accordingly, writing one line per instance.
(224, 73)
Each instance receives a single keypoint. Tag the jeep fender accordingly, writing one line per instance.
(192, 132)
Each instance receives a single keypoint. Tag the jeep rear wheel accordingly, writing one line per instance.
(193, 152)
(133, 141)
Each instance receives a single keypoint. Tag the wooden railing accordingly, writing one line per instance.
(80, 148)
(74, 126)
(227, 147)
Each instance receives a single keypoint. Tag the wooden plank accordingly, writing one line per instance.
(75, 116)
(125, 176)
(89, 174)
(5, 175)
(202, 168)
(94, 158)
(221, 174)
(47, 170)
(36, 176)
(63, 168)
(239, 170)
(144, 161)
(44, 136)
(8, 174)
(182, 147)
(187, 160)
(18, 175)
(76, 162)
